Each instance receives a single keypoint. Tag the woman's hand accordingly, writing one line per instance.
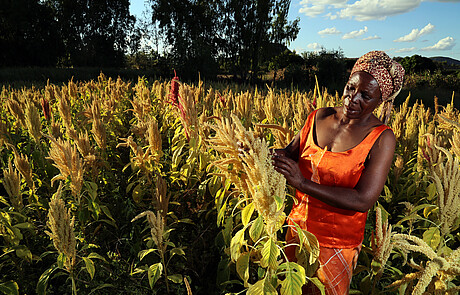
(289, 168)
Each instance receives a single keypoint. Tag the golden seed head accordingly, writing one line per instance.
(64, 109)
(33, 123)
(16, 110)
(3, 131)
(98, 128)
(61, 225)
(156, 224)
(154, 138)
(69, 163)
(162, 199)
(12, 184)
(23, 165)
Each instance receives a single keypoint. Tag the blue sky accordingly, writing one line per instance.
(399, 27)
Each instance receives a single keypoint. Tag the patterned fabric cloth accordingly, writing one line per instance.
(388, 73)
(335, 271)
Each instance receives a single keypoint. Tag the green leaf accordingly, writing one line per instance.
(431, 191)
(186, 220)
(129, 186)
(227, 230)
(94, 255)
(24, 225)
(43, 280)
(107, 212)
(177, 251)
(422, 206)
(154, 273)
(223, 271)
(262, 287)
(4, 201)
(260, 272)
(270, 253)
(89, 266)
(24, 253)
(279, 202)
(175, 278)
(61, 260)
(318, 284)
(294, 278)
(432, 237)
(388, 194)
(91, 188)
(309, 242)
(221, 214)
(9, 288)
(138, 192)
(101, 287)
(236, 243)
(429, 210)
(247, 213)
(365, 284)
(256, 228)
(242, 267)
(376, 267)
(144, 253)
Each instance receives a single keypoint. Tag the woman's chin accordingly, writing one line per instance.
(351, 114)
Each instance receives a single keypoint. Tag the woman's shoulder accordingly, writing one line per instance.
(323, 113)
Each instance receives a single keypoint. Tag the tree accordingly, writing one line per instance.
(238, 34)
(94, 31)
(251, 28)
(28, 34)
(191, 34)
(417, 64)
(329, 66)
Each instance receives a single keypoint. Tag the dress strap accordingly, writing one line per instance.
(366, 145)
(304, 133)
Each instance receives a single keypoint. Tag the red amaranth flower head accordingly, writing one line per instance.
(174, 93)
(46, 109)
(174, 99)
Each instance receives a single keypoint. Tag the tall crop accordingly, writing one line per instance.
(110, 186)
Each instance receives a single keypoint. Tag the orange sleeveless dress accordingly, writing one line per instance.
(340, 232)
(333, 227)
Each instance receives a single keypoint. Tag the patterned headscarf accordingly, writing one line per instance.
(388, 73)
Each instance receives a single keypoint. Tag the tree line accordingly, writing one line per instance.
(244, 40)
(192, 36)
(64, 33)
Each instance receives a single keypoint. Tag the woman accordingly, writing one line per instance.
(338, 164)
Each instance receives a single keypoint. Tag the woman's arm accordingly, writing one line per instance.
(291, 151)
(366, 192)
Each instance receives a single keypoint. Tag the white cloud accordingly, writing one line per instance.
(427, 29)
(316, 7)
(315, 46)
(312, 10)
(372, 38)
(360, 10)
(402, 50)
(355, 34)
(443, 44)
(415, 34)
(363, 10)
(329, 31)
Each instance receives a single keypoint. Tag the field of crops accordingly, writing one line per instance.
(110, 187)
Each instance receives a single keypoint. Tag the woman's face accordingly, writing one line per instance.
(361, 95)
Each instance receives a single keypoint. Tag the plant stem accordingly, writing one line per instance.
(163, 261)
(74, 286)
